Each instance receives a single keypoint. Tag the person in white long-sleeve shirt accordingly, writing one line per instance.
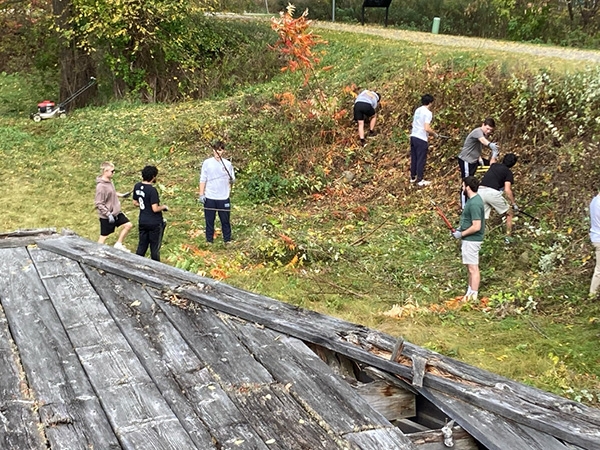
(216, 178)
(595, 238)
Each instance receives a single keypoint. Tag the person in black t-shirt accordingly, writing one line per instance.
(497, 181)
(151, 223)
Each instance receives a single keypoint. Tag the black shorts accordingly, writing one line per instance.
(107, 228)
(363, 111)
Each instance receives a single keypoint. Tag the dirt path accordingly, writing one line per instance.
(589, 57)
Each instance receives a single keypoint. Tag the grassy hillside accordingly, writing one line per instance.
(324, 224)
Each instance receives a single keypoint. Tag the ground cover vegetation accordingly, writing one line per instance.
(325, 224)
(556, 22)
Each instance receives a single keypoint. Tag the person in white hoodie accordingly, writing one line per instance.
(216, 179)
(109, 207)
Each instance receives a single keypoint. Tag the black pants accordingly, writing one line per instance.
(211, 208)
(150, 235)
(418, 157)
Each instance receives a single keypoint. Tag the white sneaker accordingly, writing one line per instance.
(424, 183)
(121, 247)
(412, 180)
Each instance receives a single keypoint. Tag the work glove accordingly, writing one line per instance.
(457, 234)
(202, 199)
(165, 208)
(515, 207)
(481, 163)
(494, 148)
(111, 218)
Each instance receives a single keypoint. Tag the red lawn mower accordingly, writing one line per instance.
(50, 110)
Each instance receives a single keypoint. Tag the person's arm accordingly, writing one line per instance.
(430, 130)
(202, 188)
(158, 208)
(492, 146)
(474, 228)
(136, 203)
(100, 202)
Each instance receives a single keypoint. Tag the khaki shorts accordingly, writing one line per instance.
(470, 252)
(492, 199)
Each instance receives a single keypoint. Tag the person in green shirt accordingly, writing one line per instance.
(471, 231)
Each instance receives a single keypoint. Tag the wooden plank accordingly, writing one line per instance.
(71, 415)
(493, 431)
(280, 420)
(390, 401)
(183, 379)
(216, 344)
(419, 365)
(20, 423)
(381, 438)
(434, 440)
(567, 420)
(134, 405)
(23, 238)
(311, 382)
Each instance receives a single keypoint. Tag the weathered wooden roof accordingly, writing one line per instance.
(104, 349)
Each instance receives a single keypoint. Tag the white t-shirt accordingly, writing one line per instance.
(215, 174)
(422, 116)
(595, 219)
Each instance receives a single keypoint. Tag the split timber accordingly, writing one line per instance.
(104, 349)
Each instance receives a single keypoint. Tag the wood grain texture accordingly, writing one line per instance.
(559, 417)
(18, 421)
(134, 405)
(70, 412)
(203, 408)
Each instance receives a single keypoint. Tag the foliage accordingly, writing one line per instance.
(27, 40)
(295, 42)
(325, 224)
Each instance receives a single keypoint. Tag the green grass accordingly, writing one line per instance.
(354, 253)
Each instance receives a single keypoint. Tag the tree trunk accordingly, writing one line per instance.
(76, 66)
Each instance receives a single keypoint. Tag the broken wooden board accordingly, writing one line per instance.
(135, 407)
(567, 420)
(70, 413)
(20, 423)
(183, 378)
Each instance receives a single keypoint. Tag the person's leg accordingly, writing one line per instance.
(474, 277)
(361, 130)
(210, 212)
(464, 169)
(224, 216)
(596, 277)
(372, 123)
(106, 229)
(155, 235)
(125, 229)
(509, 220)
(421, 159)
(143, 241)
(413, 159)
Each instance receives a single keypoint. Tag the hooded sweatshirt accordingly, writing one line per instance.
(106, 199)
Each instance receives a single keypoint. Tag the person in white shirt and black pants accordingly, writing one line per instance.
(216, 178)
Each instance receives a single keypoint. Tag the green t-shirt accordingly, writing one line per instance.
(473, 211)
